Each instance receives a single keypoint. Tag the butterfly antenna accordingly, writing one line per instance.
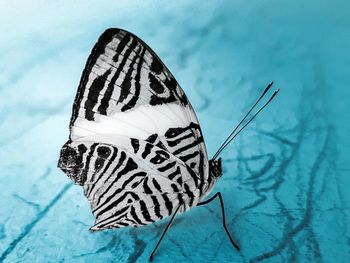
(234, 130)
(261, 96)
(233, 134)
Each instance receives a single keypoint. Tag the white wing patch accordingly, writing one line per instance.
(139, 122)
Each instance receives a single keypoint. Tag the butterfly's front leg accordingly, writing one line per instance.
(218, 194)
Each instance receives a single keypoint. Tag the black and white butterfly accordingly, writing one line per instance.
(135, 143)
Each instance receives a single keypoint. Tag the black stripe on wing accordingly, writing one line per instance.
(126, 49)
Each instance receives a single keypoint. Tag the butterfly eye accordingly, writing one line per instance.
(103, 152)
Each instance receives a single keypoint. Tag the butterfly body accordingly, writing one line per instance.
(135, 143)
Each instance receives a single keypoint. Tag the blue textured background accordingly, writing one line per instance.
(285, 178)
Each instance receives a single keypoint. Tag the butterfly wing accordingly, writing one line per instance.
(134, 184)
(126, 90)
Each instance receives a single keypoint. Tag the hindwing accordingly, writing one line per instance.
(129, 183)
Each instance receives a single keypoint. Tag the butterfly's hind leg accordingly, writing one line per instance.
(218, 194)
(163, 234)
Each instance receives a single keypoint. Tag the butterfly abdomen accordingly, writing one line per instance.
(72, 162)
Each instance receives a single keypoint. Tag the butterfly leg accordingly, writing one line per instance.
(218, 194)
(163, 234)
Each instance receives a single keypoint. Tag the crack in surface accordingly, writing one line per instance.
(140, 246)
(28, 228)
(306, 220)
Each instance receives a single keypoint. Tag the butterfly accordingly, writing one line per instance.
(135, 144)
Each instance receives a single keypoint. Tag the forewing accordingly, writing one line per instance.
(125, 89)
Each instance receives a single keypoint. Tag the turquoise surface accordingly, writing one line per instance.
(286, 177)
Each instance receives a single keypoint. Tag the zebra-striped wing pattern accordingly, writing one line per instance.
(127, 92)
(135, 183)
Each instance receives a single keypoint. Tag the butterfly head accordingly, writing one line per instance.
(215, 167)
(71, 162)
